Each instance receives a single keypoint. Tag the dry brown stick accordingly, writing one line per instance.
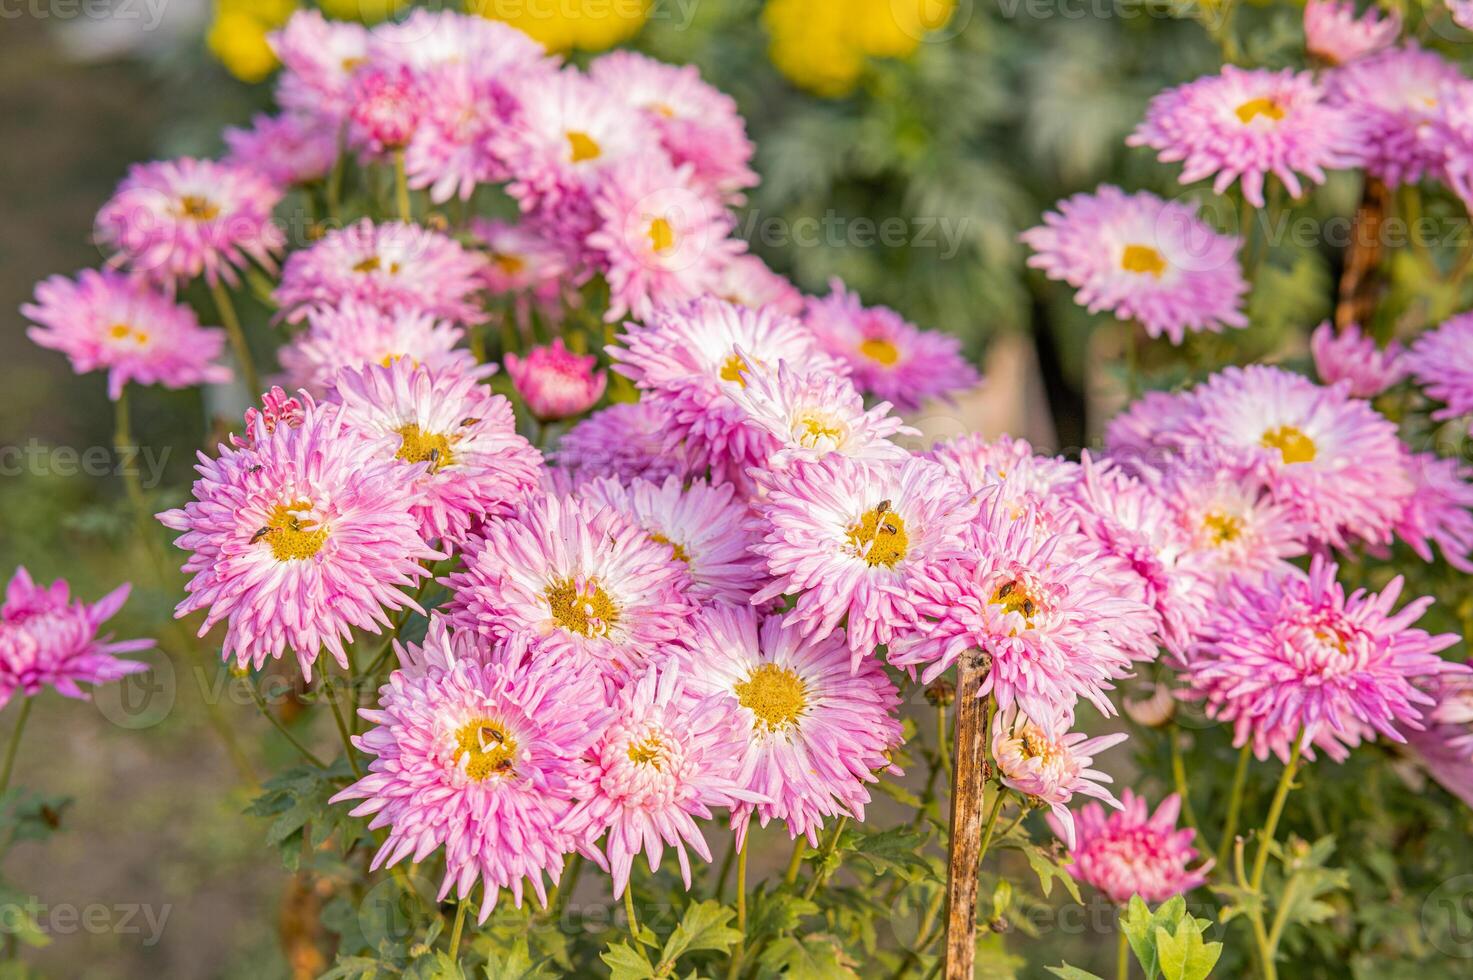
(967, 811)
(1359, 289)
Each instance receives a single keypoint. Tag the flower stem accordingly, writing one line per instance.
(1275, 811)
(231, 322)
(987, 831)
(401, 188)
(1122, 956)
(795, 861)
(735, 968)
(1235, 805)
(828, 849)
(629, 913)
(337, 716)
(11, 749)
(460, 907)
(1179, 777)
(285, 732)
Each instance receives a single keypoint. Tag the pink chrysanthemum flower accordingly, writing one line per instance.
(104, 321)
(1355, 358)
(697, 123)
(1336, 35)
(1009, 467)
(690, 359)
(1331, 458)
(385, 107)
(319, 57)
(288, 149)
(1395, 95)
(430, 40)
(1128, 520)
(175, 220)
(355, 335)
(707, 527)
(1144, 259)
(300, 538)
(1440, 510)
(815, 734)
(1249, 124)
(1051, 763)
(1445, 748)
(47, 640)
(1450, 136)
(625, 441)
(569, 132)
(663, 764)
(848, 537)
(809, 416)
(660, 239)
(1040, 605)
(1229, 524)
(1135, 852)
(454, 432)
(277, 408)
(1294, 654)
(554, 382)
(1442, 363)
(449, 152)
(888, 357)
(583, 581)
(523, 258)
(481, 758)
(1149, 432)
(747, 281)
(389, 265)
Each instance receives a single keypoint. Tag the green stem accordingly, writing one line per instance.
(231, 322)
(629, 913)
(943, 737)
(401, 188)
(1122, 957)
(735, 968)
(565, 887)
(460, 907)
(1281, 918)
(1179, 777)
(337, 716)
(277, 724)
(987, 831)
(795, 861)
(11, 749)
(1275, 811)
(725, 872)
(828, 849)
(1235, 805)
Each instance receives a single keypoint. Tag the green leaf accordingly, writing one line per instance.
(814, 957)
(771, 913)
(1067, 972)
(1047, 868)
(899, 851)
(1183, 954)
(1140, 925)
(704, 926)
(517, 964)
(627, 963)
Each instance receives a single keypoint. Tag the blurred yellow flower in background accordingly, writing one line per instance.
(561, 25)
(237, 36)
(367, 11)
(822, 45)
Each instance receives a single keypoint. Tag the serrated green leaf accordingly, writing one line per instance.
(627, 963)
(898, 851)
(1183, 954)
(1048, 870)
(517, 964)
(704, 926)
(814, 957)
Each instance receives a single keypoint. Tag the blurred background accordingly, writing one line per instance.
(903, 144)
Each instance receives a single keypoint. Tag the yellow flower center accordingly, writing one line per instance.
(776, 695)
(1293, 445)
(587, 611)
(489, 747)
(1143, 260)
(661, 109)
(662, 236)
(880, 350)
(1253, 108)
(290, 537)
(1013, 598)
(583, 146)
(1036, 745)
(419, 446)
(880, 537)
(812, 428)
(121, 332)
(735, 369)
(1222, 528)
(648, 751)
(197, 208)
(511, 265)
(678, 551)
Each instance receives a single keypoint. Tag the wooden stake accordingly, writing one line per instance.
(967, 812)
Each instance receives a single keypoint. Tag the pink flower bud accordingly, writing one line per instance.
(555, 383)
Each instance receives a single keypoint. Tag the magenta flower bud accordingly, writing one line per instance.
(387, 107)
(555, 383)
